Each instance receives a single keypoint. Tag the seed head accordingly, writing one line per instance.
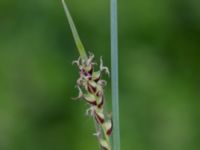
(91, 89)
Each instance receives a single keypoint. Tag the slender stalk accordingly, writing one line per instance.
(114, 73)
(77, 39)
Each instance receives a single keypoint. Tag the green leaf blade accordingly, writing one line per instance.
(77, 39)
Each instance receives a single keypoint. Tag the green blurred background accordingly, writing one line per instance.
(159, 58)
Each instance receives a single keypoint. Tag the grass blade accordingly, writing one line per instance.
(77, 39)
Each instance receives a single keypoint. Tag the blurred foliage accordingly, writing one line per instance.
(159, 73)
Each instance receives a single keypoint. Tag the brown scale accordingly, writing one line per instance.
(98, 118)
(91, 88)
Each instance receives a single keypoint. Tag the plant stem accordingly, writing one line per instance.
(77, 39)
(114, 73)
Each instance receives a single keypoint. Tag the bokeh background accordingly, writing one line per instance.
(159, 58)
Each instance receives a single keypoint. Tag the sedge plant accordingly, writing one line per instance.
(91, 88)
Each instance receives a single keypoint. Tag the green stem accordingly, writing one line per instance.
(114, 73)
(77, 39)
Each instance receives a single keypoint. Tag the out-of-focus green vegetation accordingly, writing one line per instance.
(159, 73)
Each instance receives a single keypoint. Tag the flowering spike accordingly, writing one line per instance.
(93, 86)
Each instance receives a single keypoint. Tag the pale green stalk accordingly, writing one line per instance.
(114, 73)
(77, 39)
